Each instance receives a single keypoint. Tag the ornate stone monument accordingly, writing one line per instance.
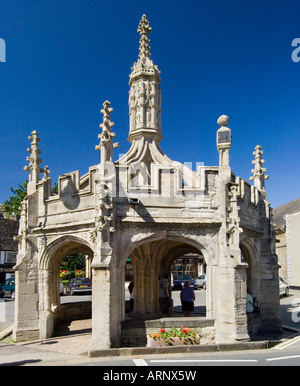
(150, 209)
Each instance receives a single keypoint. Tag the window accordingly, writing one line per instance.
(10, 258)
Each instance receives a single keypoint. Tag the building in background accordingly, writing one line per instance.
(8, 246)
(190, 264)
(287, 226)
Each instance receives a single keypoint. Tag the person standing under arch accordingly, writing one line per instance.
(131, 291)
(187, 297)
(165, 300)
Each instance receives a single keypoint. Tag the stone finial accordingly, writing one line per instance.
(107, 124)
(106, 137)
(144, 30)
(144, 65)
(35, 161)
(46, 172)
(259, 175)
(223, 121)
(223, 140)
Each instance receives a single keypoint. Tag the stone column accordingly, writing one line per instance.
(46, 315)
(151, 289)
(26, 304)
(101, 308)
(211, 276)
(88, 269)
(108, 305)
(223, 141)
(231, 315)
(139, 291)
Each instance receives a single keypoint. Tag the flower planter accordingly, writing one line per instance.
(175, 341)
(173, 337)
(153, 343)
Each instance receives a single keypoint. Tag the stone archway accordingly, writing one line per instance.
(152, 257)
(150, 261)
(51, 311)
(249, 255)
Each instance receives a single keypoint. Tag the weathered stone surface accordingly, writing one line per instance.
(152, 209)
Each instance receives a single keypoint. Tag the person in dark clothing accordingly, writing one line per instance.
(187, 297)
(131, 291)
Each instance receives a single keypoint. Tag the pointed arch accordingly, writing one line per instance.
(64, 246)
(250, 256)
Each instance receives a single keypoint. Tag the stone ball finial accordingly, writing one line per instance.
(223, 121)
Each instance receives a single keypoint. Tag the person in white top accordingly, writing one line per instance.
(165, 300)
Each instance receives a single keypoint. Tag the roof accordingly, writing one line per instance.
(281, 211)
(8, 229)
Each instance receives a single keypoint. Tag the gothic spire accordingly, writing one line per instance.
(259, 175)
(144, 65)
(144, 30)
(106, 137)
(144, 94)
(35, 161)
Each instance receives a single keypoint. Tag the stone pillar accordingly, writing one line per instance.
(101, 308)
(223, 141)
(269, 281)
(231, 315)
(211, 276)
(26, 305)
(45, 315)
(151, 291)
(139, 292)
(107, 306)
(270, 305)
(88, 269)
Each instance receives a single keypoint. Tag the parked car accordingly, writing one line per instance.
(9, 288)
(2, 293)
(284, 288)
(79, 285)
(201, 281)
(178, 282)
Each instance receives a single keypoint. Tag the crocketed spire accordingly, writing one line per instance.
(145, 94)
(144, 65)
(34, 160)
(144, 30)
(106, 137)
(259, 171)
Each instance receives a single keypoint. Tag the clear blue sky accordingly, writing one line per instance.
(64, 58)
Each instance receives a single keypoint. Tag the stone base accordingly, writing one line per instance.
(135, 331)
(26, 335)
(197, 348)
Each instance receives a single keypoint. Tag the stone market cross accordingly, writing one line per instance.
(150, 209)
